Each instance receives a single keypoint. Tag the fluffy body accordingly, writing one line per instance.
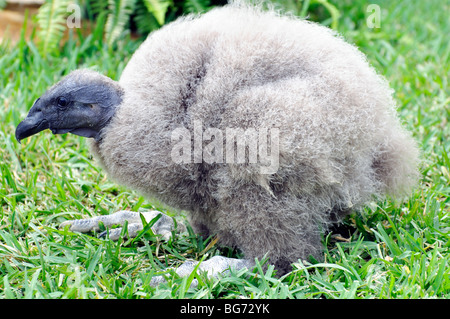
(340, 140)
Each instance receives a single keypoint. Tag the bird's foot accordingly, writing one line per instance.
(163, 226)
(213, 267)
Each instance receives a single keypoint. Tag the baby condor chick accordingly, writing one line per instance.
(266, 129)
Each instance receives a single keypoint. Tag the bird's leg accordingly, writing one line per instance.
(163, 226)
(213, 267)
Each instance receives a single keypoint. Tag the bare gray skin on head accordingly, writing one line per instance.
(340, 141)
(82, 104)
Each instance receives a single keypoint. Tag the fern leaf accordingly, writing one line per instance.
(158, 8)
(196, 6)
(144, 20)
(51, 19)
(120, 11)
(97, 6)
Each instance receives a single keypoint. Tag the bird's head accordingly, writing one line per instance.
(82, 103)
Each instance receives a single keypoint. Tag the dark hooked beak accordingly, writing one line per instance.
(32, 124)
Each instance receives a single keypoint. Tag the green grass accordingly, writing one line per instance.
(391, 250)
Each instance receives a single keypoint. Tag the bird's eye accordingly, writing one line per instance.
(62, 101)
